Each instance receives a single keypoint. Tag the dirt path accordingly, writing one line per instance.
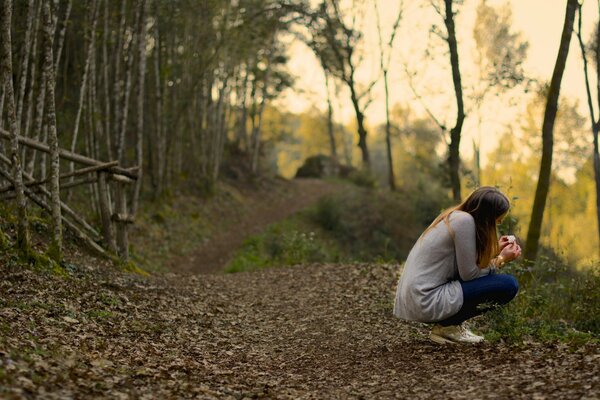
(304, 332)
(253, 217)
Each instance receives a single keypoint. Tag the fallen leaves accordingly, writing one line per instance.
(307, 331)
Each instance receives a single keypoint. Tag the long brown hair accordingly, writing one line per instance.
(486, 204)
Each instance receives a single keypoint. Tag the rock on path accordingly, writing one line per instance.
(303, 332)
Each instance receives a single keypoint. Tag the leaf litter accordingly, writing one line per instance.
(302, 332)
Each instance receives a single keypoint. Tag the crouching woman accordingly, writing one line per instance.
(450, 273)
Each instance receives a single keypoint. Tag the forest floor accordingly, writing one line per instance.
(306, 331)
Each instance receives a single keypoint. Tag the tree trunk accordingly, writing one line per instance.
(330, 130)
(118, 79)
(29, 155)
(125, 105)
(160, 139)
(388, 134)
(362, 132)
(543, 185)
(61, 38)
(7, 73)
(455, 133)
(25, 64)
(595, 123)
(50, 114)
(140, 105)
(84, 81)
(107, 96)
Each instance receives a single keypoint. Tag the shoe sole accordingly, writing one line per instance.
(440, 339)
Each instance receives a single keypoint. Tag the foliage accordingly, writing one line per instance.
(282, 244)
(570, 210)
(501, 52)
(557, 303)
(319, 166)
(363, 177)
(375, 225)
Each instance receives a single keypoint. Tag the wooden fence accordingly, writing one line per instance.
(111, 180)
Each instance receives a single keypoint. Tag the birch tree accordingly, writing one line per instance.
(140, 104)
(50, 118)
(7, 79)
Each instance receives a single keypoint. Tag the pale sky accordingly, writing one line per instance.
(539, 21)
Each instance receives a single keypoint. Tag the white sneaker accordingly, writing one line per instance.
(453, 334)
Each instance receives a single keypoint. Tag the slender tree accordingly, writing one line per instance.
(543, 185)
(50, 118)
(335, 43)
(456, 130)
(7, 79)
(384, 64)
(140, 104)
(595, 123)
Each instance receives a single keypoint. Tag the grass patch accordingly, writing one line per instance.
(292, 241)
(556, 304)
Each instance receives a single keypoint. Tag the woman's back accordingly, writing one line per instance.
(428, 289)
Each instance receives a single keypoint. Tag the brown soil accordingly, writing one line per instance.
(258, 210)
(310, 332)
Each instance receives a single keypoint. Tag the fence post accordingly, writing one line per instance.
(121, 220)
(105, 212)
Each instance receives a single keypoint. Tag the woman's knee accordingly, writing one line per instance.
(510, 286)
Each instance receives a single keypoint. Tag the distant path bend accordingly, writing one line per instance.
(257, 213)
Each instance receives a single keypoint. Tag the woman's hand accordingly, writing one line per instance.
(503, 242)
(510, 251)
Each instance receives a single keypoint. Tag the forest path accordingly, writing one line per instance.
(258, 211)
(303, 332)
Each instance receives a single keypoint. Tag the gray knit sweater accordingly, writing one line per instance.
(428, 289)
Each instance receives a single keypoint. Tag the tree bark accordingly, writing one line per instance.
(7, 72)
(455, 132)
(29, 156)
(160, 139)
(330, 131)
(140, 105)
(595, 123)
(543, 185)
(61, 35)
(360, 120)
(50, 114)
(84, 81)
(25, 63)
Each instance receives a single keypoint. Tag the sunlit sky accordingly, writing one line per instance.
(539, 21)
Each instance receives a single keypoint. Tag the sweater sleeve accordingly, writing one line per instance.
(463, 226)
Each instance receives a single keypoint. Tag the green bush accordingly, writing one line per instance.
(371, 225)
(328, 213)
(363, 178)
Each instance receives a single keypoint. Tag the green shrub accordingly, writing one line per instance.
(363, 178)
(370, 225)
(328, 213)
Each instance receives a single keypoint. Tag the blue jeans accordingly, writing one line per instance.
(482, 294)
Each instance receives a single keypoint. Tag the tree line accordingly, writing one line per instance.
(166, 93)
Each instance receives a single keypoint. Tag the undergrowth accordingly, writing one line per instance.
(555, 303)
(290, 242)
(356, 225)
